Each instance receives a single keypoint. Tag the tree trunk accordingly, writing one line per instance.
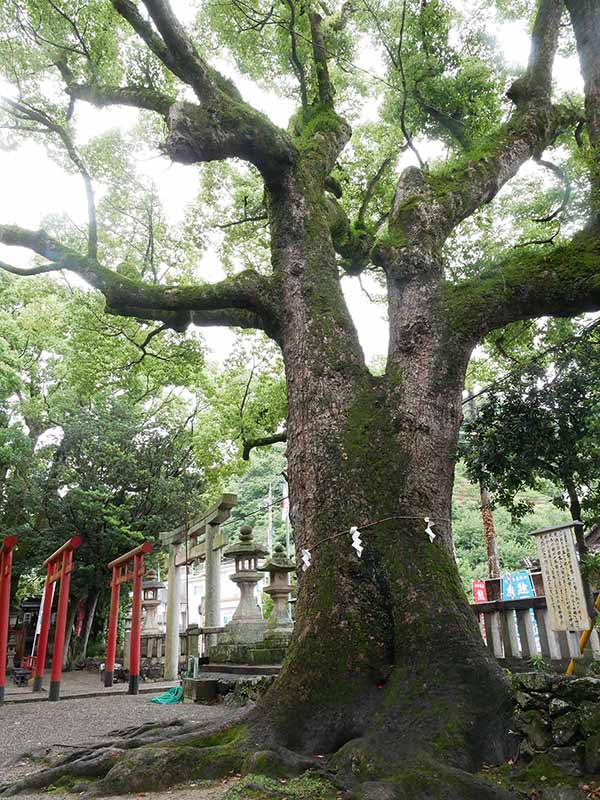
(81, 644)
(386, 661)
(67, 659)
(489, 532)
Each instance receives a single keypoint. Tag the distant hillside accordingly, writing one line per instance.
(514, 542)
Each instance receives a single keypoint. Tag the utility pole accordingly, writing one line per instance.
(270, 525)
(487, 518)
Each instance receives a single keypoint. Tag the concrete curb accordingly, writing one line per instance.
(43, 696)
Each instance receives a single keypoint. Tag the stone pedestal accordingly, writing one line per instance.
(279, 625)
(200, 690)
(193, 641)
(279, 567)
(150, 603)
(245, 632)
(127, 641)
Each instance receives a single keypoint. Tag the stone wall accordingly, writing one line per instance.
(559, 717)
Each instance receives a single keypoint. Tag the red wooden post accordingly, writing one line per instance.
(6, 554)
(136, 625)
(121, 574)
(61, 625)
(46, 612)
(60, 566)
(113, 619)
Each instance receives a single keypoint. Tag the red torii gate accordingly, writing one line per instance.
(122, 574)
(6, 555)
(60, 566)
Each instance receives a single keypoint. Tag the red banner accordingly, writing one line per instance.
(479, 591)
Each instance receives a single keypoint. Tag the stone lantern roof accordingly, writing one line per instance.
(245, 546)
(278, 562)
(151, 581)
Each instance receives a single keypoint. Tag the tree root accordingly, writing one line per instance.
(143, 757)
(154, 757)
(431, 781)
(93, 765)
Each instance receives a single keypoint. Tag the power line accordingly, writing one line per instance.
(253, 513)
(523, 366)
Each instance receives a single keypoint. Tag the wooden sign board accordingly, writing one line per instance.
(563, 586)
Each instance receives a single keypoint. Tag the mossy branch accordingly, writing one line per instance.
(102, 95)
(451, 194)
(246, 299)
(560, 282)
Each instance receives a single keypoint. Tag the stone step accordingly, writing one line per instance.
(207, 687)
(241, 669)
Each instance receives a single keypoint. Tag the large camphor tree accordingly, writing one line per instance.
(386, 671)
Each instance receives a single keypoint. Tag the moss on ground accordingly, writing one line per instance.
(235, 734)
(307, 787)
(539, 774)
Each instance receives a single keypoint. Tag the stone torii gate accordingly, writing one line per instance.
(204, 541)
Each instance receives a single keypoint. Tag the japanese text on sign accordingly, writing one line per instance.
(517, 586)
(565, 597)
(479, 591)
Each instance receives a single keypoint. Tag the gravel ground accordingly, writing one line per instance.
(28, 726)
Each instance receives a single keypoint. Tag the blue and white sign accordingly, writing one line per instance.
(517, 586)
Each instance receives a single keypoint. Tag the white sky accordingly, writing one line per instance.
(33, 186)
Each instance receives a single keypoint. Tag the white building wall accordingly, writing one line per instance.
(230, 594)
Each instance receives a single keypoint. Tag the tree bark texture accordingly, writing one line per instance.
(386, 639)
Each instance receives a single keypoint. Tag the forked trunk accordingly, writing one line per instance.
(386, 660)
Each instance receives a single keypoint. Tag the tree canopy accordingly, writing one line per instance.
(540, 425)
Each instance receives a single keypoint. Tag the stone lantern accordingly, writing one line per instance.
(279, 588)
(246, 553)
(150, 603)
(127, 640)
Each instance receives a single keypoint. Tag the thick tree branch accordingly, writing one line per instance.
(444, 199)
(198, 134)
(246, 298)
(320, 56)
(263, 441)
(40, 269)
(102, 96)
(129, 11)
(297, 65)
(203, 78)
(537, 81)
(231, 130)
(352, 242)
(562, 281)
(585, 17)
(224, 126)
